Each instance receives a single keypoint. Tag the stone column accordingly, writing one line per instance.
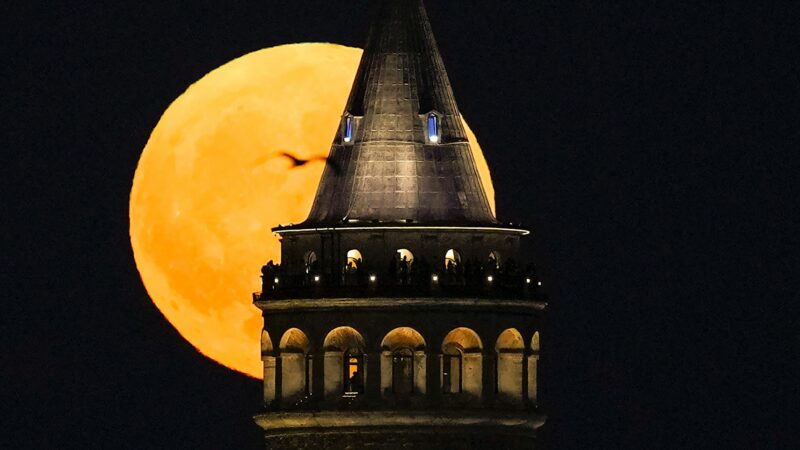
(489, 378)
(293, 376)
(472, 376)
(420, 373)
(269, 378)
(372, 380)
(533, 363)
(509, 377)
(385, 377)
(334, 371)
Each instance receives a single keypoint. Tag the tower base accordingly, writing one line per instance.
(400, 430)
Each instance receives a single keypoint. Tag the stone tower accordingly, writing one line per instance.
(403, 314)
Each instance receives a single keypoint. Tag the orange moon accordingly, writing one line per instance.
(210, 184)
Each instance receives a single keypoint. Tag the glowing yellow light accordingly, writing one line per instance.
(353, 367)
(372, 278)
(316, 278)
(436, 278)
(490, 278)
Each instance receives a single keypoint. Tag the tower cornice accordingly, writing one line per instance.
(354, 227)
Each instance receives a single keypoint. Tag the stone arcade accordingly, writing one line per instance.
(402, 315)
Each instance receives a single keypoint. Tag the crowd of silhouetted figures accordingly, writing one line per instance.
(404, 277)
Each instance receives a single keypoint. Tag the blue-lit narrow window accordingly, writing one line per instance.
(348, 129)
(433, 128)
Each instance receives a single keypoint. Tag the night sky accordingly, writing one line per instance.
(650, 146)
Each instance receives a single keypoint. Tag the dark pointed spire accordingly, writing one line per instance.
(401, 148)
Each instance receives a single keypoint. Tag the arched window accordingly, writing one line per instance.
(403, 371)
(433, 128)
(352, 269)
(452, 260)
(494, 260)
(466, 369)
(310, 261)
(452, 257)
(354, 259)
(266, 344)
(354, 372)
(510, 350)
(294, 348)
(406, 254)
(347, 129)
(404, 261)
(403, 362)
(451, 369)
(345, 366)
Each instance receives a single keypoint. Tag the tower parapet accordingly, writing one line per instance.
(402, 312)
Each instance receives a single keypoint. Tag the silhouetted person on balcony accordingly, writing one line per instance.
(267, 275)
(355, 382)
(450, 270)
(404, 271)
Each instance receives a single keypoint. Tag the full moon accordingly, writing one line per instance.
(210, 184)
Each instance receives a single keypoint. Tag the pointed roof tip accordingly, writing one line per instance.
(400, 164)
(401, 28)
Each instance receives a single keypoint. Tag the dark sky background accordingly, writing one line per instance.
(651, 146)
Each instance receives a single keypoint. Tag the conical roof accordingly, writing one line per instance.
(401, 153)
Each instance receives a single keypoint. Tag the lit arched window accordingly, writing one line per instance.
(405, 254)
(494, 260)
(404, 260)
(403, 362)
(294, 351)
(354, 372)
(352, 273)
(347, 131)
(510, 350)
(403, 371)
(451, 260)
(451, 370)
(353, 259)
(344, 365)
(433, 128)
(310, 260)
(462, 352)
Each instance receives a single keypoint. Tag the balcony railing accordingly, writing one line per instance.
(356, 285)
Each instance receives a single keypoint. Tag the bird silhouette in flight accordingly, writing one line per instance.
(297, 162)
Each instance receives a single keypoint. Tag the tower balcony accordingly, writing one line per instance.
(495, 285)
